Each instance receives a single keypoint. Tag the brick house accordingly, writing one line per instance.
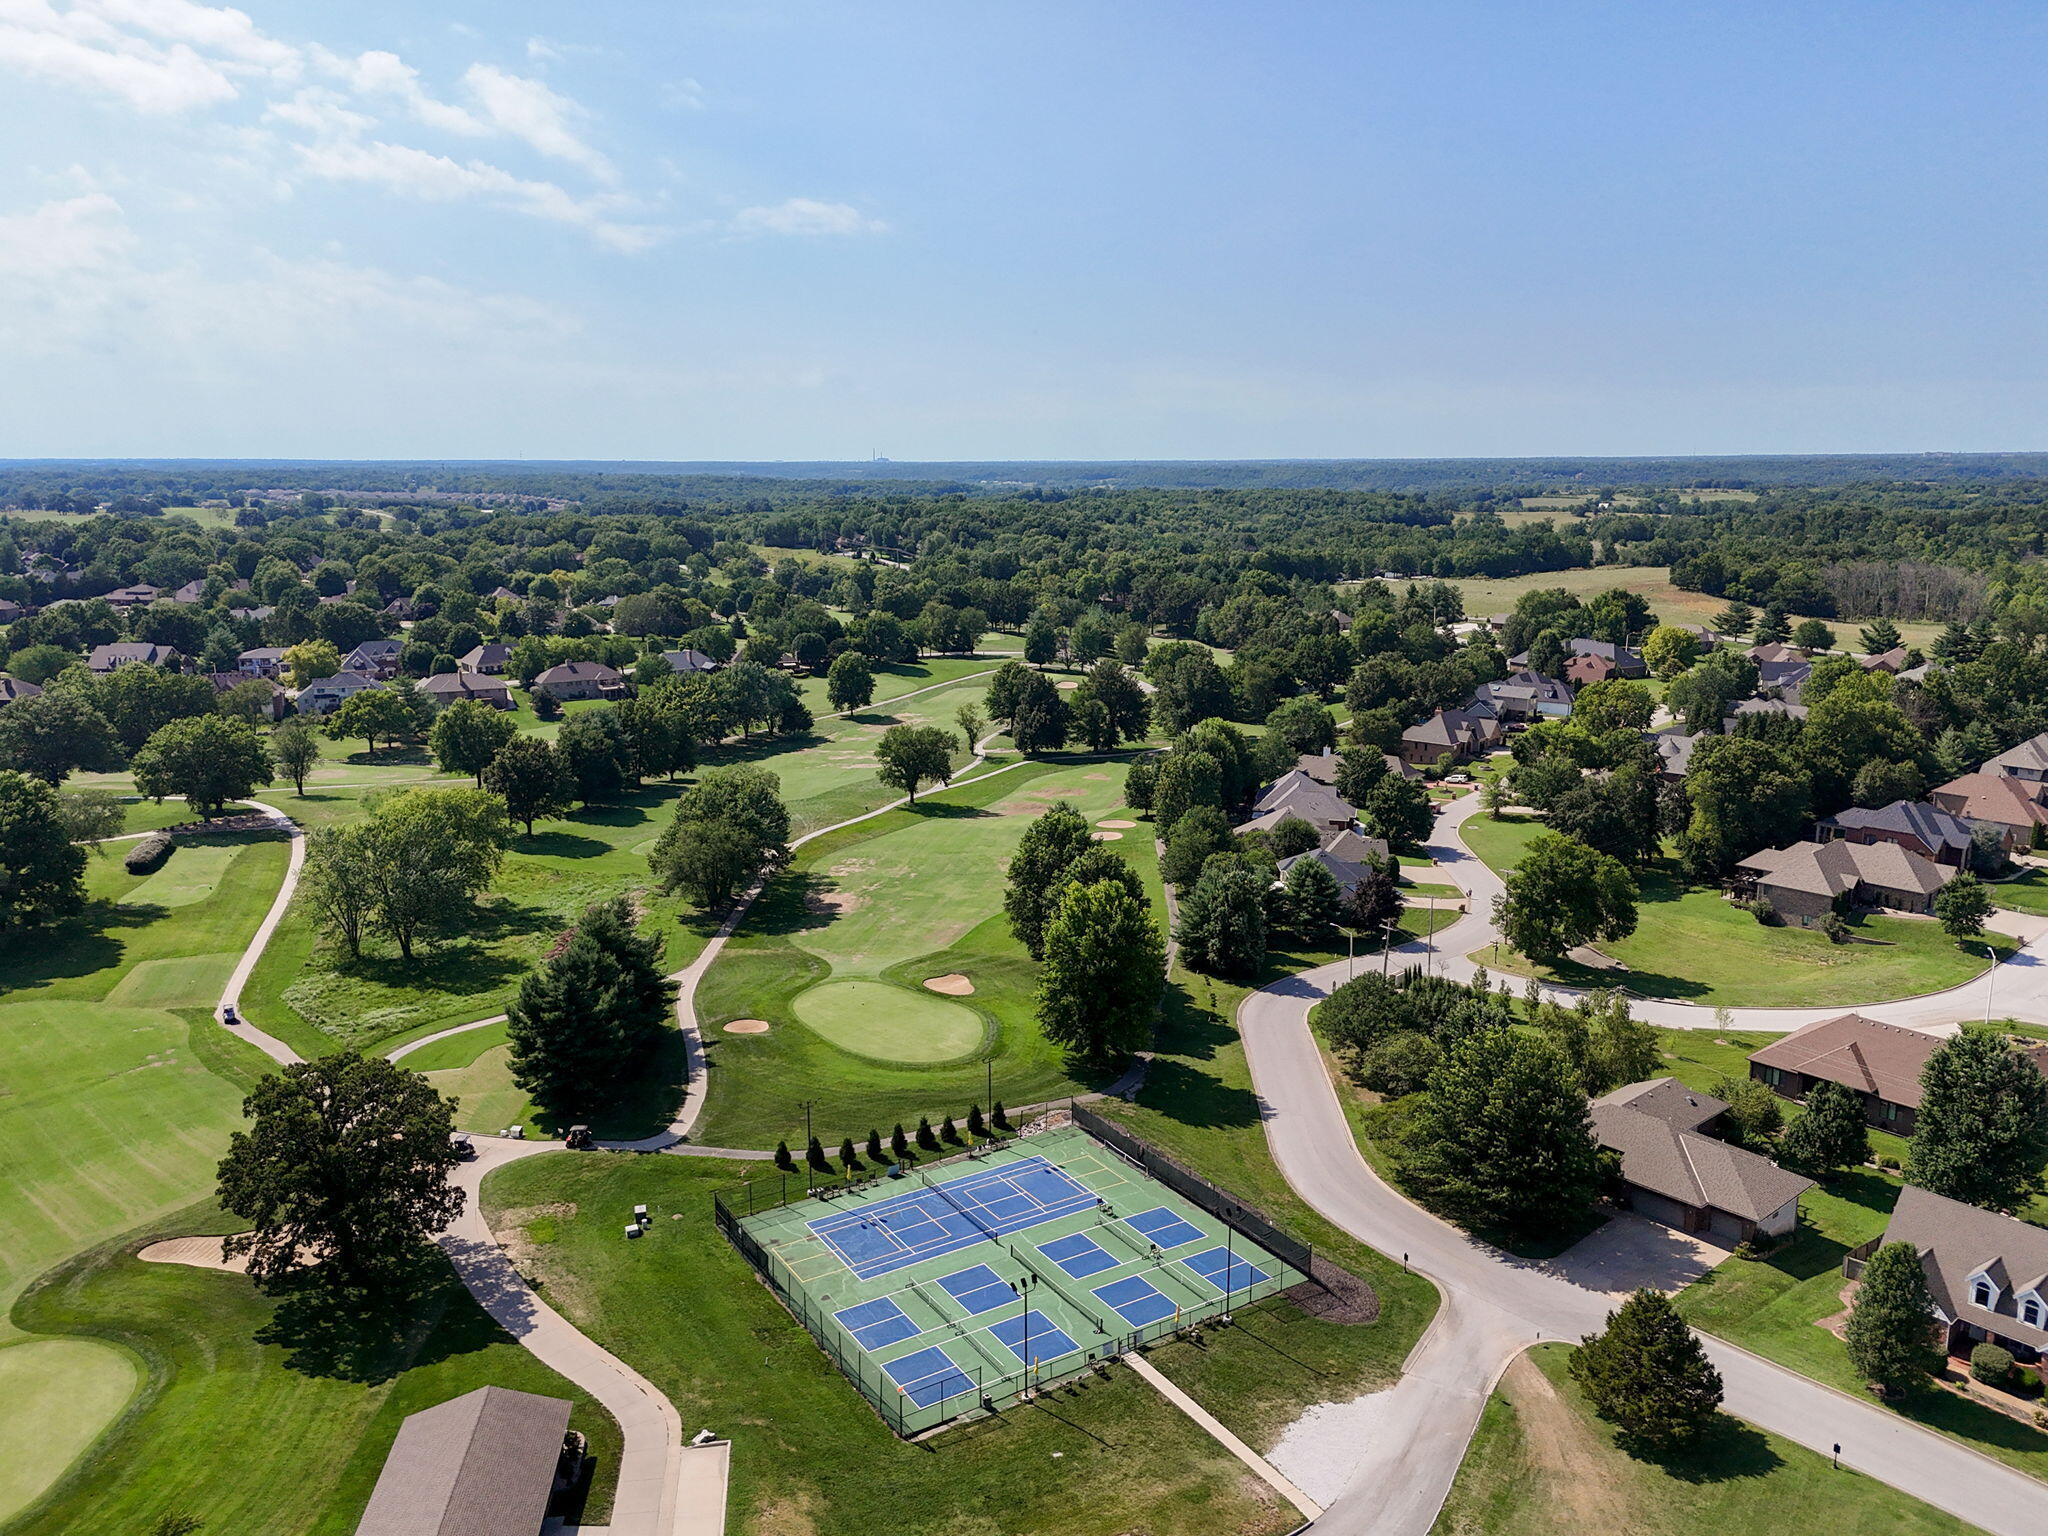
(1914, 825)
(1676, 1172)
(1880, 1063)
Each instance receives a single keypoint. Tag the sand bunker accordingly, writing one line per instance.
(1102, 778)
(1107, 837)
(199, 1252)
(1068, 683)
(833, 903)
(1118, 823)
(954, 985)
(747, 1027)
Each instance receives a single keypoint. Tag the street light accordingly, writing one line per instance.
(1022, 1286)
(1990, 978)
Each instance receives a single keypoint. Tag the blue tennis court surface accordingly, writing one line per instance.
(1078, 1255)
(929, 1376)
(1035, 1333)
(979, 1289)
(1135, 1300)
(1217, 1267)
(923, 1223)
(1163, 1227)
(877, 1324)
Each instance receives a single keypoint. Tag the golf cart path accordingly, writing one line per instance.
(1384, 1463)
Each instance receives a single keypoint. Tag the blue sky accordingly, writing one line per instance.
(994, 230)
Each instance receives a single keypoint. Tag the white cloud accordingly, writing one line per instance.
(805, 216)
(77, 286)
(76, 48)
(436, 178)
(320, 111)
(527, 109)
(381, 74)
(685, 95)
(219, 29)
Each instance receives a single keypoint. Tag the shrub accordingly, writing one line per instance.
(546, 707)
(1400, 1064)
(1991, 1364)
(1836, 930)
(149, 855)
(1766, 912)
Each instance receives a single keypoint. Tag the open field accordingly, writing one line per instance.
(836, 951)
(1693, 945)
(1673, 605)
(1543, 1464)
(263, 1418)
(810, 1456)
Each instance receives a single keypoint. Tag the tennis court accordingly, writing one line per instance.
(948, 1289)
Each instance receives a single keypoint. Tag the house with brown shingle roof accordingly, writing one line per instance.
(1455, 733)
(482, 1464)
(1678, 1174)
(1987, 1274)
(1880, 1063)
(580, 680)
(1806, 881)
(1295, 793)
(446, 688)
(2007, 802)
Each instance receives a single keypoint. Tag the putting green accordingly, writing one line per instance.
(56, 1395)
(872, 1018)
(193, 874)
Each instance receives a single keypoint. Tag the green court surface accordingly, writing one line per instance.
(873, 1018)
(996, 1273)
(193, 873)
(57, 1395)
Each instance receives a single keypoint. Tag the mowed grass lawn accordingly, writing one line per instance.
(835, 953)
(258, 1418)
(1544, 1464)
(1693, 945)
(119, 1095)
(1098, 1459)
(308, 993)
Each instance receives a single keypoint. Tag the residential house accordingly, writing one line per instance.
(1525, 696)
(1775, 652)
(191, 592)
(403, 609)
(444, 688)
(263, 661)
(1347, 871)
(12, 688)
(1760, 707)
(688, 661)
(1880, 1063)
(277, 703)
(1987, 1274)
(325, 695)
(128, 653)
(1322, 766)
(501, 594)
(379, 658)
(1706, 637)
(1674, 754)
(1357, 848)
(580, 680)
(140, 596)
(1296, 794)
(2028, 761)
(1783, 679)
(10, 610)
(1458, 734)
(486, 1463)
(2017, 807)
(1806, 881)
(1914, 825)
(489, 658)
(1892, 661)
(1678, 1174)
(1619, 660)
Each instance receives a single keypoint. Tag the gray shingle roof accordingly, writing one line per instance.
(482, 1464)
(1932, 825)
(2030, 754)
(1957, 1241)
(1647, 1123)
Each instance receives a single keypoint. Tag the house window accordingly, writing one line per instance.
(1891, 1111)
(2030, 1312)
(1981, 1293)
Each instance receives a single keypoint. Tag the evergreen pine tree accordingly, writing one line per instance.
(846, 1154)
(1647, 1373)
(782, 1158)
(815, 1156)
(976, 1126)
(584, 1021)
(899, 1144)
(1891, 1323)
(925, 1139)
(948, 1132)
(998, 1118)
(874, 1148)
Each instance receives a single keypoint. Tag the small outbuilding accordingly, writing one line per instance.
(483, 1464)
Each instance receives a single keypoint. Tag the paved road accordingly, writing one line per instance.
(1405, 1444)
(2017, 989)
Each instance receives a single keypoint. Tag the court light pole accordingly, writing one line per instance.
(1022, 1286)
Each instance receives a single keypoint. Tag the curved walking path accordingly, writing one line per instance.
(1406, 1442)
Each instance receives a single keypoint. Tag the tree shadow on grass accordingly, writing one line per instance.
(388, 757)
(793, 902)
(646, 1102)
(1728, 1451)
(416, 1315)
(947, 810)
(562, 845)
(85, 945)
(1194, 1098)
